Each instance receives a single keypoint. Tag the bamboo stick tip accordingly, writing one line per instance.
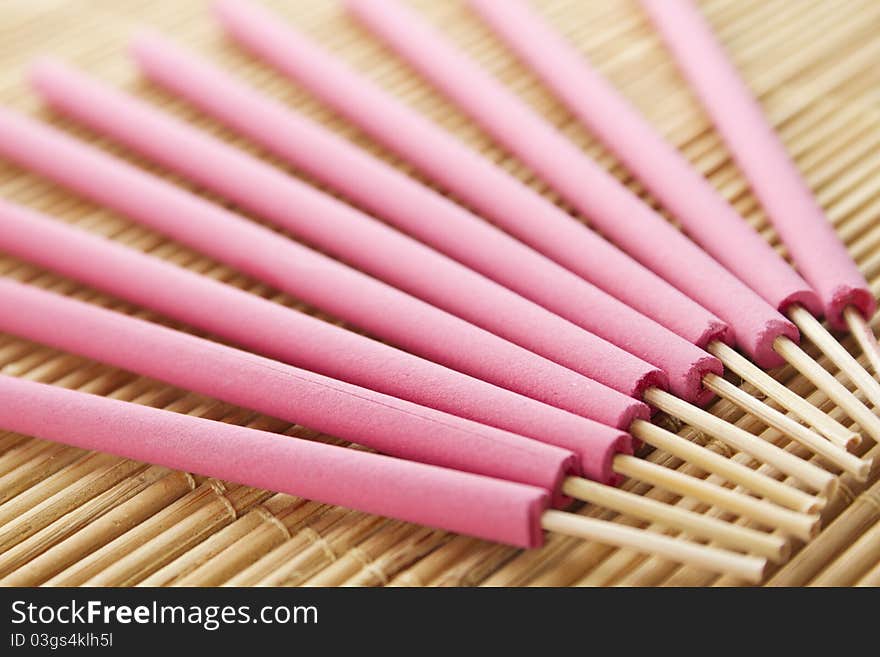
(783, 554)
(864, 470)
(864, 335)
(812, 527)
(829, 489)
(813, 505)
(759, 571)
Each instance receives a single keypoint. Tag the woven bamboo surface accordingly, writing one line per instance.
(70, 517)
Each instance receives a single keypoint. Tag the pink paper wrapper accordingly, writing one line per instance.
(299, 339)
(318, 218)
(419, 211)
(665, 172)
(607, 203)
(472, 178)
(488, 508)
(387, 424)
(808, 235)
(316, 279)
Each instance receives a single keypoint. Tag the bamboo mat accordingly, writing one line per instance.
(70, 517)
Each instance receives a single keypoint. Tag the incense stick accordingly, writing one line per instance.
(387, 567)
(269, 461)
(88, 329)
(669, 176)
(167, 152)
(609, 205)
(787, 426)
(494, 193)
(760, 154)
(590, 529)
(342, 291)
(373, 184)
(384, 191)
(349, 412)
(298, 339)
(136, 276)
(772, 547)
(813, 329)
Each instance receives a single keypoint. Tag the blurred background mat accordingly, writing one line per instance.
(70, 517)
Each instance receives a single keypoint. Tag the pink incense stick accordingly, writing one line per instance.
(475, 180)
(438, 497)
(300, 339)
(319, 280)
(809, 237)
(603, 452)
(703, 212)
(612, 208)
(385, 423)
(218, 231)
(351, 235)
(390, 425)
(212, 162)
(768, 337)
(101, 334)
(412, 207)
(480, 506)
(514, 206)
